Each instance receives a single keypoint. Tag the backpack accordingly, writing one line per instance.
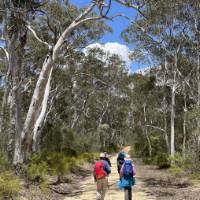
(128, 169)
(99, 171)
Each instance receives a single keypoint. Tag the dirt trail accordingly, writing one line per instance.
(151, 184)
(88, 187)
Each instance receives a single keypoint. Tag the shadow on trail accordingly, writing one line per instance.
(166, 187)
(153, 182)
(79, 171)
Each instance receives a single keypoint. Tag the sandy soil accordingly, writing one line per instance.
(151, 184)
(88, 187)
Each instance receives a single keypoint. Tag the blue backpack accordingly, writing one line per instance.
(128, 169)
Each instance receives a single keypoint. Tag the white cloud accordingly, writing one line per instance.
(112, 48)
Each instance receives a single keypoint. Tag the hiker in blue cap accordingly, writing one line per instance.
(120, 160)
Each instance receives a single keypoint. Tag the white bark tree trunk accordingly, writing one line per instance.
(26, 136)
(172, 120)
(146, 132)
(165, 133)
(198, 100)
(40, 119)
(184, 122)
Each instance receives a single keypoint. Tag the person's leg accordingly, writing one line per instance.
(118, 169)
(130, 193)
(99, 189)
(126, 194)
(104, 186)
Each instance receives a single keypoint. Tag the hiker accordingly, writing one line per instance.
(127, 179)
(120, 160)
(101, 172)
(106, 158)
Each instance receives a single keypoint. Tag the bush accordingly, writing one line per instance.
(53, 163)
(4, 163)
(37, 169)
(162, 160)
(177, 161)
(87, 157)
(59, 163)
(9, 185)
(148, 161)
(177, 171)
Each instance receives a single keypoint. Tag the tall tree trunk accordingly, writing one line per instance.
(184, 122)
(172, 120)
(165, 133)
(198, 100)
(16, 55)
(173, 96)
(40, 119)
(146, 132)
(26, 135)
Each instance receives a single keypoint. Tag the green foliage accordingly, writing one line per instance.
(87, 157)
(59, 163)
(61, 139)
(162, 160)
(148, 161)
(53, 163)
(9, 185)
(37, 169)
(177, 160)
(184, 165)
(112, 148)
(4, 162)
(177, 171)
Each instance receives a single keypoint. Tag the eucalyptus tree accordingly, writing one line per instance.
(161, 32)
(93, 96)
(25, 24)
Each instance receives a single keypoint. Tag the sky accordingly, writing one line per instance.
(114, 40)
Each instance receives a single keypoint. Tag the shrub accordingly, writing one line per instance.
(177, 161)
(59, 163)
(87, 157)
(37, 169)
(4, 163)
(177, 171)
(162, 160)
(9, 185)
(148, 161)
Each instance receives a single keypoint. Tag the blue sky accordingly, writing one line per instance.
(118, 25)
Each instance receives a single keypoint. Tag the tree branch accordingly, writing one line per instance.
(85, 13)
(130, 5)
(36, 36)
(115, 16)
(156, 127)
(76, 23)
(6, 52)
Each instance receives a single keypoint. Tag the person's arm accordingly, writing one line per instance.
(107, 167)
(94, 173)
(109, 162)
(121, 171)
(134, 170)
